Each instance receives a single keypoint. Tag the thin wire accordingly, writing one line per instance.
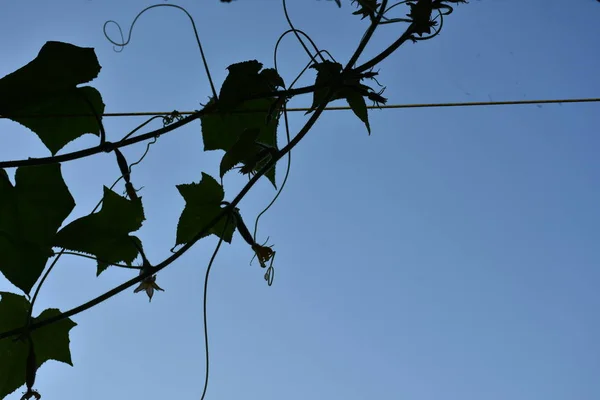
(72, 253)
(344, 108)
(141, 126)
(434, 105)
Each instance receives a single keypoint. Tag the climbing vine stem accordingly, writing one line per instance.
(126, 285)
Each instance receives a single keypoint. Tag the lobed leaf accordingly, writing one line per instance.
(222, 130)
(50, 342)
(105, 234)
(202, 205)
(329, 73)
(244, 151)
(44, 97)
(30, 214)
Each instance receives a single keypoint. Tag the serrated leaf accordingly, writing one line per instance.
(222, 129)
(241, 152)
(30, 214)
(327, 71)
(105, 234)
(50, 342)
(202, 205)
(271, 78)
(246, 79)
(241, 82)
(420, 13)
(357, 103)
(37, 94)
(366, 8)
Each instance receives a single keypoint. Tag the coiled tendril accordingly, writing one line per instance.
(118, 46)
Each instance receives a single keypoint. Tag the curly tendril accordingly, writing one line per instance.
(293, 29)
(118, 46)
(270, 270)
(298, 31)
(265, 254)
(204, 306)
(395, 5)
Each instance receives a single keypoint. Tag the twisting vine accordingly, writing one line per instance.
(270, 270)
(297, 34)
(65, 252)
(258, 157)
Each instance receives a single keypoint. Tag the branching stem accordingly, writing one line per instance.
(225, 211)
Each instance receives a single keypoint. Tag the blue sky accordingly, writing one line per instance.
(453, 254)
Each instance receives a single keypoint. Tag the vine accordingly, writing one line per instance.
(241, 120)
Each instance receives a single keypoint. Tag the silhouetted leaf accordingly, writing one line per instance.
(50, 342)
(243, 151)
(105, 234)
(357, 103)
(420, 14)
(202, 205)
(366, 8)
(246, 79)
(36, 94)
(30, 214)
(327, 72)
(241, 81)
(271, 79)
(221, 130)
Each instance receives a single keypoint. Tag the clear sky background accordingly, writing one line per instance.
(453, 254)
